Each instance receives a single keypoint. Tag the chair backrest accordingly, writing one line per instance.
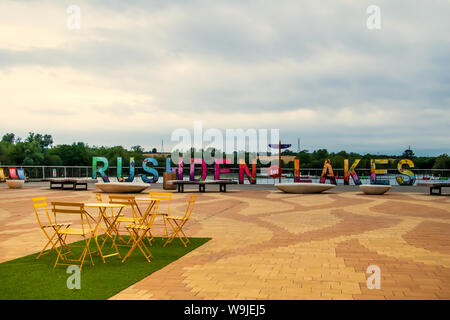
(127, 201)
(99, 197)
(190, 207)
(21, 174)
(12, 173)
(2, 174)
(149, 216)
(40, 207)
(162, 196)
(75, 208)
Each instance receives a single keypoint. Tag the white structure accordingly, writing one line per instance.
(122, 187)
(304, 187)
(15, 184)
(374, 188)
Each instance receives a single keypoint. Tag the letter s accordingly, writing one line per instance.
(150, 170)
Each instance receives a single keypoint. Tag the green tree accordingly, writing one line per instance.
(321, 154)
(17, 154)
(305, 159)
(3, 151)
(28, 161)
(337, 161)
(9, 137)
(408, 154)
(442, 162)
(76, 154)
(137, 149)
(44, 141)
(53, 160)
(34, 151)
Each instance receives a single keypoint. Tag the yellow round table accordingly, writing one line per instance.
(110, 223)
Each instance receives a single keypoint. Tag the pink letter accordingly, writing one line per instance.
(192, 171)
(243, 167)
(218, 170)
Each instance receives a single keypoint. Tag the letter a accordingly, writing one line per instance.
(74, 18)
(74, 281)
(327, 173)
(374, 20)
(374, 281)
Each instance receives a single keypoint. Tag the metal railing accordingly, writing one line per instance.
(42, 172)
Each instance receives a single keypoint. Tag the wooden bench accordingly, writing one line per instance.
(60, 183)
(202, 184)
(434, 186)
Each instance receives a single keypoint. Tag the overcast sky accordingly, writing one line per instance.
(136, 70)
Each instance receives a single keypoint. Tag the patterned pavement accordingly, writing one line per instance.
(271, 245)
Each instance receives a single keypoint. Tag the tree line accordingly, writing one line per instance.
(316, 159)
(38, 149)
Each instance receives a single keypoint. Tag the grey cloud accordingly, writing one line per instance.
(258, 56)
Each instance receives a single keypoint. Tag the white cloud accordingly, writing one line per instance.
(312, 69)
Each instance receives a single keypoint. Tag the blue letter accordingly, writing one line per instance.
(152, 171)
(101, 170)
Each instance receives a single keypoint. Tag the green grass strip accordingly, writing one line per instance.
(27, 278)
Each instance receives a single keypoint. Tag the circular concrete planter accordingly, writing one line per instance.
(15, 184)
(304, 187)
(121, 187)
(374, 188)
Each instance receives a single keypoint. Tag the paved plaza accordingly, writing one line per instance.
(271, 245)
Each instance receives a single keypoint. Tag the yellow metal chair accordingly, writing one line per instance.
(86, 232)
(128, 201)
(99, 198)
(141, 230)
(177, 223)
(46, 224)
(162, 210)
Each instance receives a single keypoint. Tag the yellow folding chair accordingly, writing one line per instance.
(128, 201)
(141, 230)
(177, 223)
(46, 224)
(99, 198)
(162, 210)
(86, 232)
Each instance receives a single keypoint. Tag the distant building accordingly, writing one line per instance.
(285, 159)
(157, 154)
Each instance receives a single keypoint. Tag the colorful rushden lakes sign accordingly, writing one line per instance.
(151, 175)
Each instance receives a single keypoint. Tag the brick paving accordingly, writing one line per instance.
(271, 245)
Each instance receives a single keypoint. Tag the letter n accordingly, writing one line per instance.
(243, 168)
